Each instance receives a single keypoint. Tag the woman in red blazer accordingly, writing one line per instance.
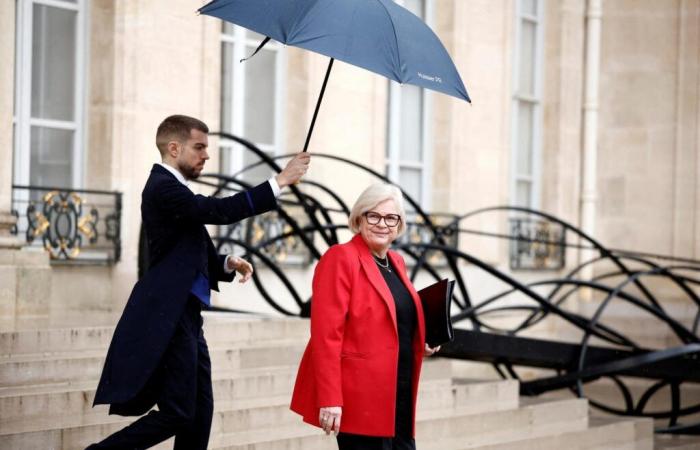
(359, 374)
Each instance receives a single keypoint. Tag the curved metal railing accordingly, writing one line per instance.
(599, 345)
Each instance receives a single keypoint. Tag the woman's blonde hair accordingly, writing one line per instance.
(371, 197)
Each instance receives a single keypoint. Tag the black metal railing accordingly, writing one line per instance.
(75, 226)
(599, 347)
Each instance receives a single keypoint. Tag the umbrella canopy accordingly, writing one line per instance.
(377, 35)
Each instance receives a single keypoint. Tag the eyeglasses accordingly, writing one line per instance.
(373, 218)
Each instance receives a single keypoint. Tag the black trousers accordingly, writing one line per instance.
(403, 429)
(347, 441)
(185, 401)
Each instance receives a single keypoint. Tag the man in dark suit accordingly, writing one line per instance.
(158, 355)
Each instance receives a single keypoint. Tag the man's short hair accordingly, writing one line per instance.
(178, 128)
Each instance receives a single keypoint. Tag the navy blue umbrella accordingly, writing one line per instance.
(377, 35)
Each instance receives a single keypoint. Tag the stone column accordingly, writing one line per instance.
(687, 150)
(7, 52)
(25, 276)
(589, 194)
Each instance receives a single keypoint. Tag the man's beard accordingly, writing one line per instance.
(190, 173)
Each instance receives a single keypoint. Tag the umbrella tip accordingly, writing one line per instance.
(198, 13)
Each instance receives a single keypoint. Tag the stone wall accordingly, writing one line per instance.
(648, 151)
(7, 55)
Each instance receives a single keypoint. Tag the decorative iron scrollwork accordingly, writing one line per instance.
(61, 224)
(272, 235)
(418, 232)
(536, 244)
(13, 228)
(67, 225)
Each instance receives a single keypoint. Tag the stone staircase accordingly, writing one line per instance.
(48, 379)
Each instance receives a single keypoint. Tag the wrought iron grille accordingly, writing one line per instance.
(272, 234)
(72, 225)
(418, 232)
(537, 245)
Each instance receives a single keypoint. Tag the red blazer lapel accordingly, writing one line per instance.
(375, 277)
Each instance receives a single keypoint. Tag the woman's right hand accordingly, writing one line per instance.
(329, 418)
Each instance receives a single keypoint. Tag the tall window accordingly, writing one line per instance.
(527, 104)
(408, 151)
(49, 92)
(252, 94)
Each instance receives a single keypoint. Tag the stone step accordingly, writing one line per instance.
(220, 328)
(611, 434)
(535, 418)
(22, 407)
(242, 416)
(670, 442)
(34, 408)
(72, 367)
(432, 428)
(608, 392)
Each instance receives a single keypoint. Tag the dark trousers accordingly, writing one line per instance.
(348, 441)
(185, 401)
(403, 429)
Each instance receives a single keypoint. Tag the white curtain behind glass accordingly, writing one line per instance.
(49, 88)
(526, 104)
(406, 152)
(53, 95)
(250, 99)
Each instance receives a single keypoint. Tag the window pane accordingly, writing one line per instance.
(260, 97)
(411, 124)
(523, 194)
(51, 157)
(527, 58)
(411, 182)
(227, 87)
(524, 141)
(529, 7)
(53, 63)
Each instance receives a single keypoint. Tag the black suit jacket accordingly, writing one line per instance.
(179, 247)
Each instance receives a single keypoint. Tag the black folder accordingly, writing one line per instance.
(436, 300)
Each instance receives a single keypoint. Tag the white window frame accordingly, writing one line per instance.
(241, 43)
(23, 77)
(535, 179)
(393, 160)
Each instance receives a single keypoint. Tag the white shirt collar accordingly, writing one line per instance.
(176, 173)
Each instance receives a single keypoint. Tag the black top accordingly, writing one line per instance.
(405, 320)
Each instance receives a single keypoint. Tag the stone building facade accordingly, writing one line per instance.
(588, 110)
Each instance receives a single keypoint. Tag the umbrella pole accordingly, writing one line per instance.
(318, 105)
